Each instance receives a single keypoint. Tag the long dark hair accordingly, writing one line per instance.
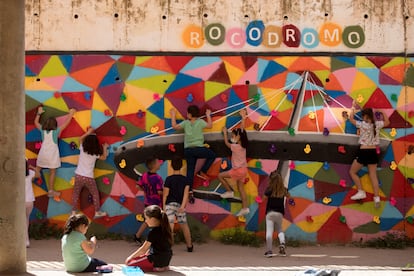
(154, 211)
(370, 114)
(276, 186)
(50, 124)
(243, 136)
(74, 222)
(91, 145)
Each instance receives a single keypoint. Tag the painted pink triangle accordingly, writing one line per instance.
(55, 82)
(346, 77)
(204, 72)
(119, 187)
(250, 75)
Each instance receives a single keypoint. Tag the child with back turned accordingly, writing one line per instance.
(275, 198)
(155, 253)
(175, 198)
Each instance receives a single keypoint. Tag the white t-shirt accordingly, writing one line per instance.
(29, 188)
(86, 163)
(366, 135)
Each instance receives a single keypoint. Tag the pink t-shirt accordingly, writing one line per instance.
(238, 156)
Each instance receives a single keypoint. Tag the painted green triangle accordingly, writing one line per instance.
(53, 68)
(369, 228)
(124, 69)
(329, 176)
(31, 103)
(213, 88)
(132, 130)
(104, 188)
(386, 178)
(337, 64)
(409, 76)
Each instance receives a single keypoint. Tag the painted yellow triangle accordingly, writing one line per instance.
(101, 172)
(363, 62)
(144, 96)
(322, 75)
(30, 154)
(318, 222)
(213, 88)
(71, 159)
(83, 118)
(362, 81)
(158, 84)
(234, 72)
(98, 103)
(395, 61)
(286, 61)
(167, 107)
(406, 95)
(139, 60)
(32, 84)
(57, 103)
(38, 191)
(53, 68)
(150, 121)
(62, 184)
(309, 169)
(132, 104)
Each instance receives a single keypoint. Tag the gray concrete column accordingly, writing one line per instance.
(12, 138)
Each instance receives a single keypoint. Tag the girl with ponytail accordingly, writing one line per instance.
(155, 253)
(369, 130)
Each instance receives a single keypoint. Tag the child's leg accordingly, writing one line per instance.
(142, 262)
(141, 229)
(77, 188)
(222, 178)
(372, 172)
(209, 155)
(29, 208)
(91, 185)
(353, 172)
(93, 264)
(240, 185)
(187, 234)
(37, 171)
(269, 230)
(191, 162)
(52, 176)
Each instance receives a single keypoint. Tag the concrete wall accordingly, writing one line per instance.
(124, 64)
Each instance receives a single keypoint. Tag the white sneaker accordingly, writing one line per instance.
(359, 195)
(100, 214)
(227, 194)
(243, 212)
(377, 202)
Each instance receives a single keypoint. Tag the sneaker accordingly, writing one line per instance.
(243, 212)
(203, 175)
(282, 250)
(228, 194)
(50, 193)
(100, 214)
(104, 269)
(161, 269)
(269, 254)
(191, 198)
(190, 249)
(359, 195)
(377, 202)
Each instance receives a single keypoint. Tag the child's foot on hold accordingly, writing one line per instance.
(100, 214)
(269, 254)
(191, 198)
(203, 175)
(161, 269)
(359, 195)
(282, 250)
(243, 212)
(377, 202)
(190, 249)
(228, 194)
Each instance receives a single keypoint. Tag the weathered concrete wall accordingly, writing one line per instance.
(178, 25)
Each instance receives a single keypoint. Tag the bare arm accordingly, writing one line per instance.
(185, 198)
(174, 120)
(208, 117)
(88, 132)
(243, 114)
(140, 251)
(37, 118)
(226, 138)
(165, 193)
(69, 117)
(386, 119)
(89, 246)
(105, 152)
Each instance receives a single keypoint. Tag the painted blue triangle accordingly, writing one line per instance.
(116, 57)
(272, 69)
(72, 85)
(55, 208)
(261, 67)
(66, 61)
(389, 90)
(157, 108)
(372, 73)
(389, 154)
(257, 171)
(294, 231)
(252, 218)
(66, 173)
(139, 72)
(182, 80)
(388, 223)
(390, 211)
(114, 208)
(98, 118)
(303, 191)
(33, 136)
(337, 198)
(292, 78)
(297, 178)
(111, 77)
(233, 102)
(40, 95)
(66, 150)
(127, 226)
(28, 72)
(334, 93)
(349, 60)
(198, 62)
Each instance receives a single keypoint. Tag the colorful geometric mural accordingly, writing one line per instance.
(128, 98)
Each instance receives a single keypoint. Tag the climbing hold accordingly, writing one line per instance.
(56, 95)
(190, 98)
(206, 183)
(106, 180)
(394, 97)
(393, 132)
(122, 164)
(311, 115)
(156, 97)
(223, 164)
(123, 130)
(122, 199)
(292, 165)
(87, 96)
(272, 148)
(72, 181)
(411, 114)
(38, 145)
(123, 97)
(223, 201)
(410, 180)
(310, 183)
(307, 149)
(289, 97)
(206, 145)
(73, 146)
(325, 131)
(256, 97)
(154, 129)
(291, 131)
(309, 219)
(326, 165)
(341, 149)
(258, 199)
(378, 115)
(256, 126)
(410, 220)
(360, 98)
(140, 114)
(107, 112)
(410, 149)
(326, 200)
(342, 183)
(393, 201)
(342, 219)
(204, 218)
(376, 219)
(246, 180)
(258, 164)
(140, 143)
(242, 219)
(139, 217)
(224, 97)
(39, 215)
(274, 113)
(393, 165)
(291, 202)
(171, 147)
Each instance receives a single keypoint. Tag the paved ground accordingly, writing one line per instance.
(44, 258)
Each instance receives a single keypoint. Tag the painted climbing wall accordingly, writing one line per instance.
(127, 98)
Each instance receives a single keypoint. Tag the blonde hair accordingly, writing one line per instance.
(276, 185)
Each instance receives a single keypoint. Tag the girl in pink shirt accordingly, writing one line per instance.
(238, 171)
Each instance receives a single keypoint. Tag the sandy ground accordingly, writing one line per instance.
(219, 259)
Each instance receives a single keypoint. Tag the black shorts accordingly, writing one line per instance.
(367, 156)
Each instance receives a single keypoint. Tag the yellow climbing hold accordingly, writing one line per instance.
(122, 164)
(307, 149)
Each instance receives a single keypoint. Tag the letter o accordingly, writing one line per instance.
(215, 34)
